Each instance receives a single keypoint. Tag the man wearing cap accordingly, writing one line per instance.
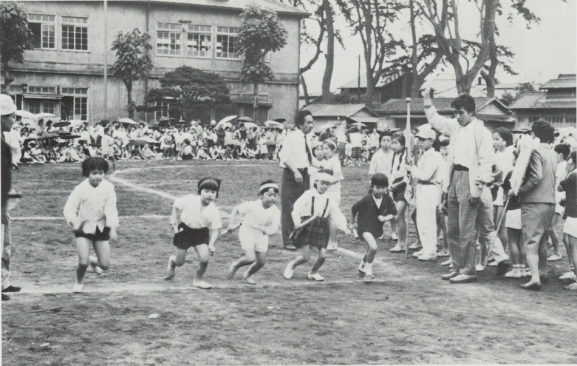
(470, 161)
(427, 196)
(7, 110)
(295, 157)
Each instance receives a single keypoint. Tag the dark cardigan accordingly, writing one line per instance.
(367, 213)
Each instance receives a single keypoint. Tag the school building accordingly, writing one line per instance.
(63, 74)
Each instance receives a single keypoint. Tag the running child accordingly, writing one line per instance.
(368, 216)
(262, 219)
(398, 186)
(195, 221)
(331, 162)
(91, 210)
(311, 214)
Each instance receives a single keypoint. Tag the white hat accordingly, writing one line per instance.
(427, 133)
(7, 105)
(324, 176)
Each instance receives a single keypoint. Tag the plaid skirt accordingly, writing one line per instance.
(315, 234)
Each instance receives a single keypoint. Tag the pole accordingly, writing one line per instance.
(105, 87)
(496, 232)
(359, 80)
(409, 149)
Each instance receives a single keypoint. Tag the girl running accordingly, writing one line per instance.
(398, 187)
(331, 162)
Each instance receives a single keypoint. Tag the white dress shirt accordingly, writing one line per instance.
(189, 210)
(381, 162)
(333, 164)
(256, 216)
(429, 167)
(465, 146)
(294, 150)
(95, 206)
(356, 139)
(302, 207)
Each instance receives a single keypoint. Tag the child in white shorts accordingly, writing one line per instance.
(262, 219)
(513, 224)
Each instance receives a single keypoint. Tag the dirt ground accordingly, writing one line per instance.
(407, 316)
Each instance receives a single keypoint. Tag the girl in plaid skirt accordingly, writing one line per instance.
(311, 215)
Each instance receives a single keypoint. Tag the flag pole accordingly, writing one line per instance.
(408, 152)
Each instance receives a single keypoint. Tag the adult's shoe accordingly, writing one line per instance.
(290, 247)
(12, 289)
(502, 268)
(450, 275)
(532, 286)
(463, 278)
(5, 297)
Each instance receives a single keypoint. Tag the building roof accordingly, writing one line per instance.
(538, 100)
(232, 5)
(562, 82)
(443, 105)
(336, 110)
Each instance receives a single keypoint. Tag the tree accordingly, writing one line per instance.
(15, 37)
(521, 89)
(370, 19)
(261, 32)
(132, 61)
(195, 89)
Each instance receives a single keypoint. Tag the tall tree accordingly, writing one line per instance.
(261, 32)
(370, 20)
(132, 61)
(15, 37)
(195, 88)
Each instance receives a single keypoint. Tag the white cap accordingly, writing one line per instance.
(324, 177)
(7, 105)
(426, 132)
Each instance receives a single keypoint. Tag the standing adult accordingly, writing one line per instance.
(470, 161)
(7, 110)
(295, 157)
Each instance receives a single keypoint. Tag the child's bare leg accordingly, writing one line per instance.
(102, 249)
(572, 248)
(203, 255)
(401, 223)
(304, 257)
(260, 261)
(569, 251)
(248, 258)
(83, 249)
(320, 260)
(332, 235)
(370, 254)
(513, 235)
(553, 234)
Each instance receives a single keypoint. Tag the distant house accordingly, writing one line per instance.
(393, 113)
(337, 113)
(312, 99)
(556, 103)
(396, 86)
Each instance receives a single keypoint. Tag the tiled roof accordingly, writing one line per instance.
(233, 4)
(564, 81)
(334, 110)
(538, 100)
(443, 105)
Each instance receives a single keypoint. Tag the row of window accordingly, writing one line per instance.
(552, 120)
(172, 38)
(73, 107)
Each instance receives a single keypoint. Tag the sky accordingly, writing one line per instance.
(541, 53)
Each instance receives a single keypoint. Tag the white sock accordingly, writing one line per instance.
(172, 260)
(369, 269)
(363, 264)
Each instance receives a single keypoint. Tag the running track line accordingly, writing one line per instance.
(54, 218)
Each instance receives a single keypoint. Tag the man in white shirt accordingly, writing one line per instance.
(295, 157)
(470, 161)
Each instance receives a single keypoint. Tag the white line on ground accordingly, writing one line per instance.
(55, 218)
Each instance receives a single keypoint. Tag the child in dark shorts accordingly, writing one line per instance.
(368, 216)
(91, 210)
(195, 221)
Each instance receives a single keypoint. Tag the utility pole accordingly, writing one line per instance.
(359, 81)
(105, 59)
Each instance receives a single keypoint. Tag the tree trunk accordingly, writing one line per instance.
(255, 103)
(414, 59)
(330, 56)
(130, 105)
(305, 90)
(490, 76)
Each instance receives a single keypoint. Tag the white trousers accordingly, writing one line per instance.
(427, 201)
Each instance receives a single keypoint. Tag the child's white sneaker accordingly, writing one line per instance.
(94, 265)
(332, 246)
(248, 278)
(362, 268)
(394, 236)
(201, 284)
(288, 271)
(514, 273)
(315, 276)
(479, 268)
(171, 267)
(78, 287)
(368, 278)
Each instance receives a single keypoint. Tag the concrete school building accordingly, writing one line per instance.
(63, 74)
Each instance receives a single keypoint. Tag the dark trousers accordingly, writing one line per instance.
(536, 219)
(290, 192)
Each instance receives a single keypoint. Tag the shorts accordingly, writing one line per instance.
(98, 235)
(398, 193)
(356, 153)
(188, 237)
(513, 219)
(570, 226)
(252, 239)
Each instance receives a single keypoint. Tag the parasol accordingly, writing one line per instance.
(245, 119)
(44, 115)
(142, 141)
(250, 125)
(224, 124)
(25, 114)
(227, 119)
(47, 136)
(127, 121)
(273, 124)
(280, 120)
(358, 125)
(69, 137)
(62, 124)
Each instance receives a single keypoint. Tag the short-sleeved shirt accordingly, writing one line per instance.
(188, 210)
(256, 215)
(569, 185)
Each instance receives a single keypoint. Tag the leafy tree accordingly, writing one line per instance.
(15, 37)
(261, 32)
(132, 61)
(521, 89)
(194, 88)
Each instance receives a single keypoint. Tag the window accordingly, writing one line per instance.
(43, 30)
(76, 102)
(40, 106)
(226, 42)
(41, 90)
(168, 39)
(73, 91)
(163, 111)
(199, 40)
(554, 120)
(570, 119)
(80, 108)
(74, 33)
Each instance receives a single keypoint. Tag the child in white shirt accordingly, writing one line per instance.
(195, 221)
(331, 162)
(262, 219)
(91, 210)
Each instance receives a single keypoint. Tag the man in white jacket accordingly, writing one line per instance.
(470, 162)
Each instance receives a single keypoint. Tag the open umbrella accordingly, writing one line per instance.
(127, 121)
(26, 114)
(45, 115)
(227, 119)
(245, 119)
(325, 126)
(280, 120)
(62, 124)
(250, 125)
(69, 137)
(358, 125)
(224, 124)
(47, 136)
(273, 124)
(142, 141)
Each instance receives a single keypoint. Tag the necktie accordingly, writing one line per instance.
(309, 156)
